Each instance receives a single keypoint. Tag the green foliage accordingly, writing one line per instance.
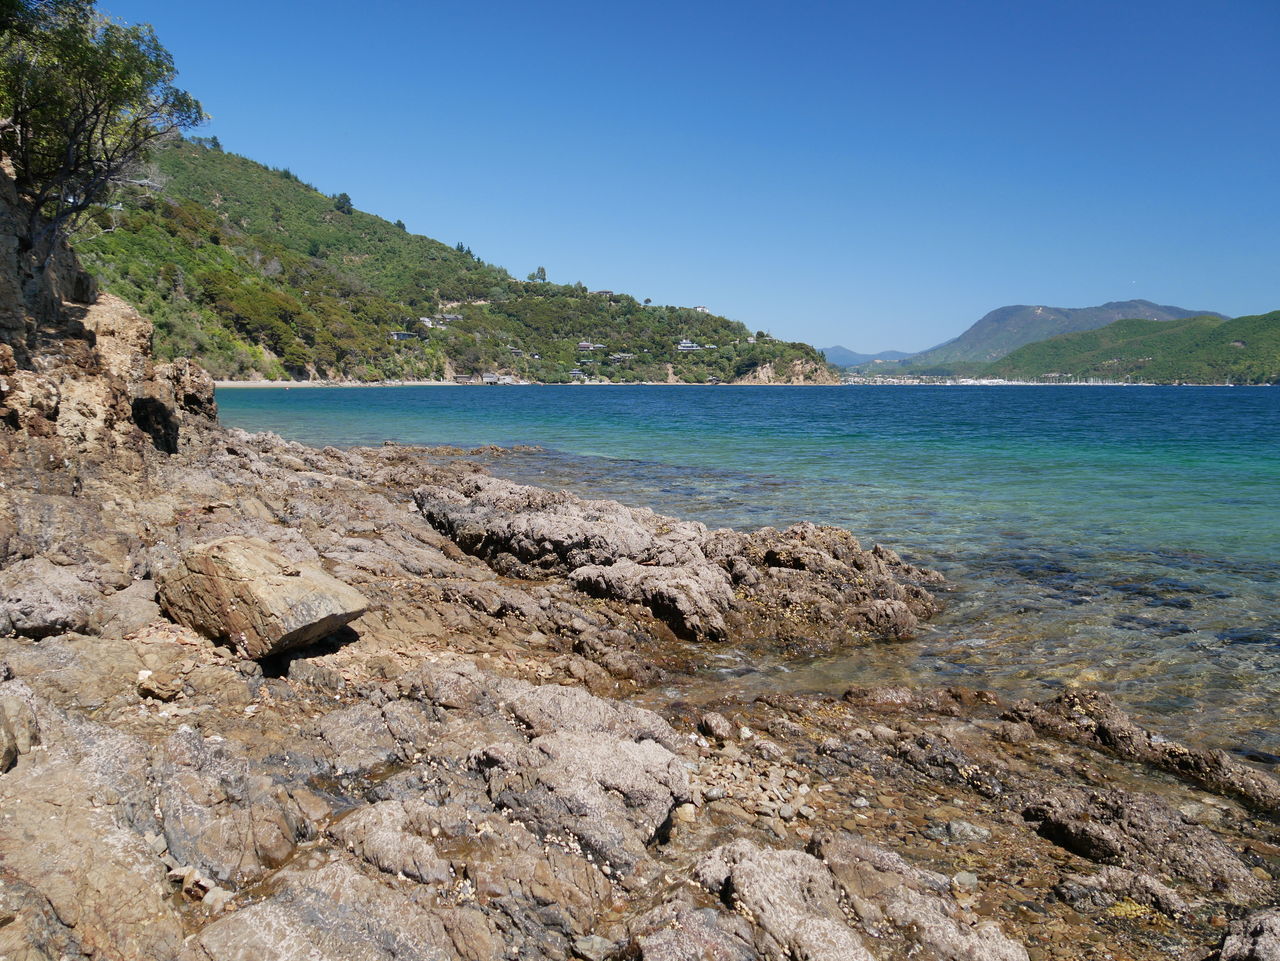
(249, 270)
(1202, 350)
(82, 99)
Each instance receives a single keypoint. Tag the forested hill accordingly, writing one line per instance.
(1201, 350)
(1005, 329)
(254, 273)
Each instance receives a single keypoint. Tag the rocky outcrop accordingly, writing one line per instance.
(807, 587)
(797, 372)
(1092, 718)
(1139, 832)
(243, 591)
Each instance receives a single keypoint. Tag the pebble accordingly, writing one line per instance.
(962, 831)
(965, 881)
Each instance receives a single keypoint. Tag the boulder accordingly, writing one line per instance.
(242, 590)
(1254, 938)
(38, 599)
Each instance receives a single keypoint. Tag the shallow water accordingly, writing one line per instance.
(1123, 538)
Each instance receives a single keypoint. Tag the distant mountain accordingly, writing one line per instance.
(1202, 350)
(844, 357)
(1008, 328)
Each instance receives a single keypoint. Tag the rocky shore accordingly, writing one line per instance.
(259, 700)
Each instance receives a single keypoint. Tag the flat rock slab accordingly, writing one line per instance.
(242, 590)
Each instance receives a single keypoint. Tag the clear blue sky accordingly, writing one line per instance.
(877, 175)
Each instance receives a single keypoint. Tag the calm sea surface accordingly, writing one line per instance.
(1126, 538)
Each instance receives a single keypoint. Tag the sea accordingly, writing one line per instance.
(1119, 538)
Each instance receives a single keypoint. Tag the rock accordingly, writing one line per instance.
(8, 743)
(716, 725)
(99, 877)
(677, 932)
(1112, 884)
(916, 904)
(242, 590)
(1254, 938)
(38, 599)
(1092, 718)
(327, 912)
(610, 795)
(790, 898)
(1141, 833)
(957, 831)
(807, 586)
(226, 820)
(390, 836)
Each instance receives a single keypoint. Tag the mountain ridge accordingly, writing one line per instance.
(1206, 349)
(1005, 329)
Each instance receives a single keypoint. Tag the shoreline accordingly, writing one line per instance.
(316, 384)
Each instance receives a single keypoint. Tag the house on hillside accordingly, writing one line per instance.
(702, 309)
(586, 345)
(402, 335)
(687, 344)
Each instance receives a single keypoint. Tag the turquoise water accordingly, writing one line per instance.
(1124, 538)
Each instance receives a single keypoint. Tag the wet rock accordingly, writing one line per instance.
(242, 590)
(1142, 834)
(716, 725)
(220, 816)
(790, 898)
(1111, 884)
(1092, 718)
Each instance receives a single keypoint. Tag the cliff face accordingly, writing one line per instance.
(797, 372)
(77, 384)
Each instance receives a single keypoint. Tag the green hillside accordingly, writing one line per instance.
(1202, 350)
(254, 273)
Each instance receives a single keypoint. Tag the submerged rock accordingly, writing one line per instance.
(242, 590)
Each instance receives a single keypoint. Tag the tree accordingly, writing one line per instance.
(400, 224)
(342, 204)
(82, 100)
